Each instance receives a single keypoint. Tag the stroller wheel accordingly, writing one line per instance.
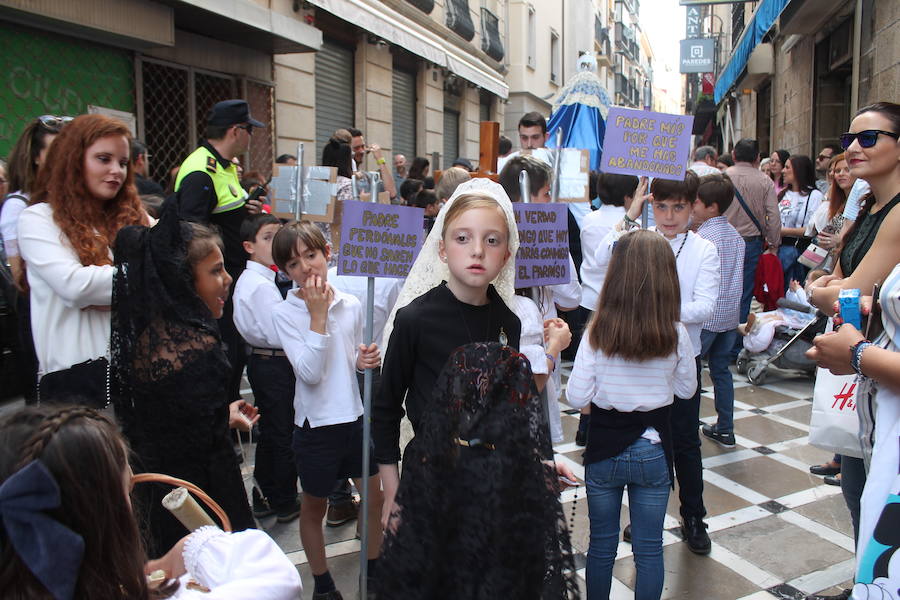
(742, 363)
(757, 372)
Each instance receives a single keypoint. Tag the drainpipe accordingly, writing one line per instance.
(857, 43)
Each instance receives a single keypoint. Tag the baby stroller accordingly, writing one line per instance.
(787, 350)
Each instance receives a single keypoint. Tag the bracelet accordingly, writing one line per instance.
(381, 161)
(856, 351)
(552, 360)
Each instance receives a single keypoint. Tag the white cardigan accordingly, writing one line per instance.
(61, 288)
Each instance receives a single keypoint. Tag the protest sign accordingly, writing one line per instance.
(640, 142)
(319, 191)
(543, 256)
(380, 240)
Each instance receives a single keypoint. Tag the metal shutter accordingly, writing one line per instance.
(404, 113)
(451, 138)
(334, 92)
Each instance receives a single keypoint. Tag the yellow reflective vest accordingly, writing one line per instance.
(229, 193)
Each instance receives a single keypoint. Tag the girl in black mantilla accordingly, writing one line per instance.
(170, 366)
(463, 533)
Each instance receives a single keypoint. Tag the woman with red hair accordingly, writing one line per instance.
(86, 194)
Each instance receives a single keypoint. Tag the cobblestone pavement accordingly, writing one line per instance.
(776, 530)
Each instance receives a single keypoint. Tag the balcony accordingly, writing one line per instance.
(627, 92)
(626, 42)
(602, 46)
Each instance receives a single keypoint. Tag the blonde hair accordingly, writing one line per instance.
(450, 180)
(470, 201)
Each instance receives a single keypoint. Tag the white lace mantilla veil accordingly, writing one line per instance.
(429, 270)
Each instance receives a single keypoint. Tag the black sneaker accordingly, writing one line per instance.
(289, 512)
(626, 534)
(694, 531)
(261, 508)
(726, 440)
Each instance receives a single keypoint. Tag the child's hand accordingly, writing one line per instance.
(318, 296)
(369, 357)
(794, 285)
(557, 335)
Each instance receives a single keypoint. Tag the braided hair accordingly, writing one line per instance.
(87, 457)
(479, 517)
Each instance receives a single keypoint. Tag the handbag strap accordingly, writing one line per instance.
(746, 208)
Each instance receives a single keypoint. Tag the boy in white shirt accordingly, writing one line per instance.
(271, 377)
(320, 329)
(699, 273)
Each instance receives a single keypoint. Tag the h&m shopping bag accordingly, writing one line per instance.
(834, 425)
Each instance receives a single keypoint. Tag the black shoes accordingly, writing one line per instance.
(626, 534)
(833, 480)
(726, 440)
(581, 438)
(826, 469)
(694, 531)
(289, 512)
(845, 595)
(332, 595)
(261, 508)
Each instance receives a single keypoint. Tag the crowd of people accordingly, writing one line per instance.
(173, 298)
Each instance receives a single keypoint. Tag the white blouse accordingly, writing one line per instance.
(66, 332)
(247, 564)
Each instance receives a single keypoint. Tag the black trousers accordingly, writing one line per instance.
(685, 422)
(235, 348)
(272, 380)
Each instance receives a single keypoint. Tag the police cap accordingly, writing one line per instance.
(231, 112)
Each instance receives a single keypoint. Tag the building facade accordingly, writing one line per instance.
(416, 76)
(791, 73)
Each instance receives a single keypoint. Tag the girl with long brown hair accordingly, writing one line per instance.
(86, 194)
(636, 356)
(825, 226)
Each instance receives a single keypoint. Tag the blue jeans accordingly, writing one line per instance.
(716, 347)
(642, 467)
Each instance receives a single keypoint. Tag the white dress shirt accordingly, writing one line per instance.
(596, 226)
(701, 169)
(255, 298)
(386, 292)
(326, 392)
(699, 272)
(61, 287)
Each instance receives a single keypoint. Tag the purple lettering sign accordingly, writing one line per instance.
(640, 142)
(543, 257)
(380, 240)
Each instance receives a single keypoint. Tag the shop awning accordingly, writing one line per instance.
(402, 31)
(759, 25)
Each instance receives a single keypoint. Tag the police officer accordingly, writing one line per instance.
(208, 191)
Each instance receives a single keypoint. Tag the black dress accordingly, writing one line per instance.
(170, 370)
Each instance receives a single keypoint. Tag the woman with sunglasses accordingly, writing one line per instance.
(25, 160)
(85, 196)
(871, 247)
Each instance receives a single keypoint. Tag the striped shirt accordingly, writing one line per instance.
(612, 382)
(730, 246)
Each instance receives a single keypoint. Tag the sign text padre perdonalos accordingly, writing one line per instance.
(379, 240)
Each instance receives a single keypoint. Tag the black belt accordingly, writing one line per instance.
(752, 238)
(267, 352)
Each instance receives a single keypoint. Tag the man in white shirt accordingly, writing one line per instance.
(705, 160)
(699, 273)
(532, 137)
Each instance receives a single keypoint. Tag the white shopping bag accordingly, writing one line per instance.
(834, 425)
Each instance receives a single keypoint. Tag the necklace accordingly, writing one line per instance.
(490, 321)
(681, 247)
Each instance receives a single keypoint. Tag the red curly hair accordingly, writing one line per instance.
(89, 225)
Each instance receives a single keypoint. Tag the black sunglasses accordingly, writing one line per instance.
(866, 138)
(54, 122)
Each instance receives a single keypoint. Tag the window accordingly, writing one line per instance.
(459, 19)
(426, 6)
(555, 59)
(490, 35)
(532, 38)
(485, 102)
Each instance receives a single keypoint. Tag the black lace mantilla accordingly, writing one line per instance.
(480, 517)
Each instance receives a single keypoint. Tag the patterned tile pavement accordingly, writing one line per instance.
(776, 530)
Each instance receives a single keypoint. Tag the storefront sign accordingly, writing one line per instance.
(698, 56)
(639, 142)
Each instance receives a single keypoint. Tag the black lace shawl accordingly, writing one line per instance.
(482, 521)
(168, 371)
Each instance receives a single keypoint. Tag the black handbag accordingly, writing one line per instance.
(86, 383)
